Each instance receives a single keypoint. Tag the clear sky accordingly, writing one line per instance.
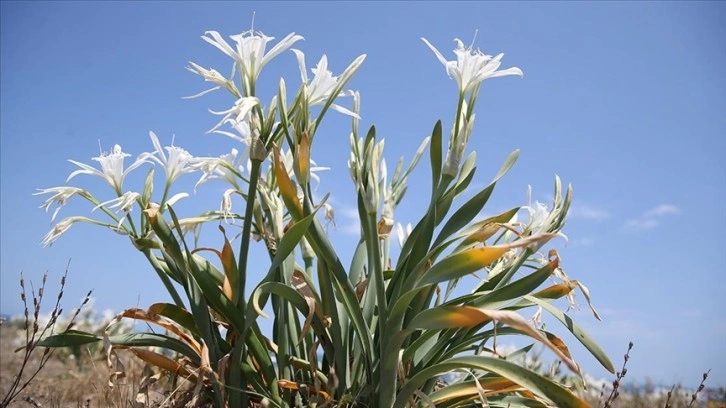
(626, 101)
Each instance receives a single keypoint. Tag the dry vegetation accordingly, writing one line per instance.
(66, 381)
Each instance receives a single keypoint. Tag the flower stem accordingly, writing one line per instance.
(246, 230)
(240, 352)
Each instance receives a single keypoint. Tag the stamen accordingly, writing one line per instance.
(471, 47)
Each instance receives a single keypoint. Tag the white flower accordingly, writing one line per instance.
(538, 216)
(112, 168)
(219, 168)
(250, 51)
(541, 220)
(60, 196)
(246, 126)
(60, 228)
(124, 203)
(471, 67)
(320, 89)
(175, 165)
(238, 113)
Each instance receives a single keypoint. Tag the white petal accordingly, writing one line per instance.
(201, 93)
(438, 54)
(344, 111)
(508, 71)
(281, 46)
(175, 198)
(219, 42)
(301, 65)
(86, 170)
(157, 145)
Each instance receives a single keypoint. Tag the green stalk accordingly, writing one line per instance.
(164, 278)
(246, 229)
(237, 398)
(386, 376)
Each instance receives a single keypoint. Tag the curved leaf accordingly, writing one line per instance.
(537, 384)
(69, 338)
(579, 333)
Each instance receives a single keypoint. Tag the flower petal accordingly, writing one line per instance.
(281, 46)
(438, 54)
(301, 65)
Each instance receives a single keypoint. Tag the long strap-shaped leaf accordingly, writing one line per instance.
(537, 384)
(576, 330)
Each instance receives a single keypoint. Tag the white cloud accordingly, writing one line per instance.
(350, 224)
(649, 219)
(662, 210)
(588, 212)
(639, 224)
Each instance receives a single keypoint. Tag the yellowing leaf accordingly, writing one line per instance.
(455, 317)
(302, 159)
(287, 189)
(161, 361)
(554, 292)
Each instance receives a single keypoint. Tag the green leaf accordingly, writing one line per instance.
(69, 338)
(579, 333)
(508, 163)
(175, 313)
(464, 214)
(537, 384)
(516, 289)
(435, 154)
(155, 340)
(462, 263)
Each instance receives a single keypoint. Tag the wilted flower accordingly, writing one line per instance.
(238, 113)
(471, 67)
(329, 214)
(60, 228)
(124, 203)
(219, 168)
(112, 168)
(250, 53)
(175, 165)
(402, 234)
(60, 196)
(226, 206)
(320, 89)
(212, 75)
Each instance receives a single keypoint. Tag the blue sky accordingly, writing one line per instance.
(625, 101)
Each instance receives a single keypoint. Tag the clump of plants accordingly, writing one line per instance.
(393, 328)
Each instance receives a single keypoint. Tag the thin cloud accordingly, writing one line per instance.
(662, 210)
(641, 224)
(588, 212)
(350, 224)
(651, 218)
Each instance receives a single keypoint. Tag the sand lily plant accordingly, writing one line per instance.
(413, 324)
